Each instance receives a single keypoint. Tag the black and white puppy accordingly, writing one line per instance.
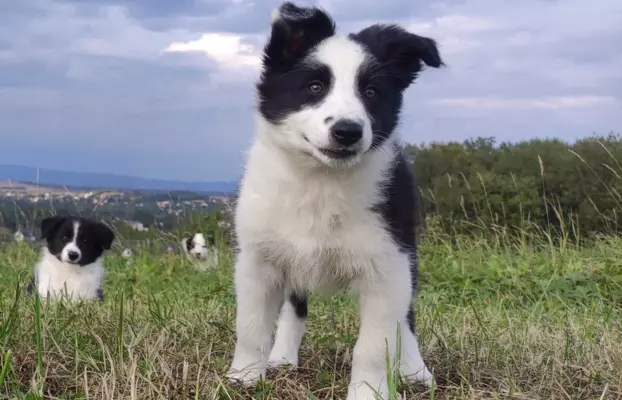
(327, 200)
(71, 263)
(201, 249)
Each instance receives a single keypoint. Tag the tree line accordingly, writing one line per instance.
(544, 184)
(478, 187)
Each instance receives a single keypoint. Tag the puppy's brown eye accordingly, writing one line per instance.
(65, 238)
(315, 87)
(370, 92)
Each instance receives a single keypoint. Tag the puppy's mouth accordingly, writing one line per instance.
(67, 261)
(338, 153)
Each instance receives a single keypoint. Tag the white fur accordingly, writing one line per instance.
(57, 278)
(303, 222)
(72, 246)
(288, 337)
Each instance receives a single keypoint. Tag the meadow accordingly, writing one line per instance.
(509, 319)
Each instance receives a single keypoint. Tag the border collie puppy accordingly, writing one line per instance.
(71, 262)
(196, 249)
(128, 256)
(327, 200)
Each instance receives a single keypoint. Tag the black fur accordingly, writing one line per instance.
(398, 211)
(93, 237)
(283, 86)
(398, 55)
(299, 302)
(100, 295)
(31, 286)
(189, 243)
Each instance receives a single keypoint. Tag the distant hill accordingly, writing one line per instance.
(87, 180)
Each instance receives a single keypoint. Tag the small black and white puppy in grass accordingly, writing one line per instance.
(327, 200)
(201, 250)
(71, 263)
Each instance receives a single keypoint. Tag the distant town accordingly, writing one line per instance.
(22, 202)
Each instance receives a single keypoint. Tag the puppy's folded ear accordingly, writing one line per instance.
(295, 30)
(186, 244)
(398, 48)
(105, 235)
(50, 225)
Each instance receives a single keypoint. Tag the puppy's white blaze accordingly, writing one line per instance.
(343, 101)
(72, 246)
(56, 278)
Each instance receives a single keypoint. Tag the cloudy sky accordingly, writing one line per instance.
(164, 88)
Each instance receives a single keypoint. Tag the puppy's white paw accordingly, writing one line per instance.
(365, 392)
(247, 377)
(277, 361)
(283, 353)
(417, 373)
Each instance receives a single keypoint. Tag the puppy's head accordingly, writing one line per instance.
(332, 97)
(127, 254)
(196, 245)
(76, 240)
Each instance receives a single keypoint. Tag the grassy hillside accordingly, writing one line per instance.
(493, 321)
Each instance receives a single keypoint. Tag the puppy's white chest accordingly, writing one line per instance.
(317, 236)
(73, 281)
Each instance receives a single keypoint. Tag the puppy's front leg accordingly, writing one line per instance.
(259, 293)
(383, 301)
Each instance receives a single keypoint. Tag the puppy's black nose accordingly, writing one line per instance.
(73, 256)
(346, 132)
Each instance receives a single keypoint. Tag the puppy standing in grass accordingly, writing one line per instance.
(327, 199)
(71, 262)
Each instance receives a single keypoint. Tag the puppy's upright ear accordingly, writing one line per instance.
(295, 30)
(50, 225)
(105, 235)
(400, 50)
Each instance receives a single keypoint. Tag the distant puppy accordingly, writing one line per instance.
(197, 250)
(71, 262)
(128, 256)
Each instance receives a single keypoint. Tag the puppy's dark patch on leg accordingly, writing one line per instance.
(31, 286)
(411, 318)
(100, 295)
(299, 301)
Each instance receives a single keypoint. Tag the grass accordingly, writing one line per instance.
(493, 322)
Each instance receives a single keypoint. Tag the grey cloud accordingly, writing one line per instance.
(156, 8)
(93, 77)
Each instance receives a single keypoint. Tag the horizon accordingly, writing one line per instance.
(235, 181)
(119, 175)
